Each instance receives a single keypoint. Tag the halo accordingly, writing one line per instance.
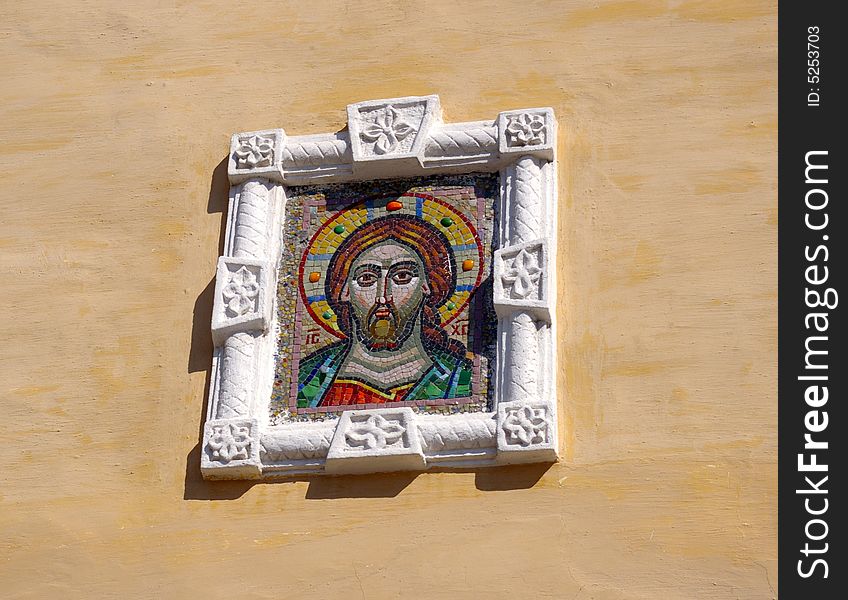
(468, 255)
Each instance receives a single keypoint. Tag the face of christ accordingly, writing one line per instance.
(386, 288)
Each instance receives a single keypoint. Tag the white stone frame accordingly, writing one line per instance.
(399, 137)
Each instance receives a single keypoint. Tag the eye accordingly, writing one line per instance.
(402, 276)
(366, 279)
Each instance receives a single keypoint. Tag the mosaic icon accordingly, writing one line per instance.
(386, 308)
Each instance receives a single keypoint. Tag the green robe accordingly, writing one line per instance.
(449, 377)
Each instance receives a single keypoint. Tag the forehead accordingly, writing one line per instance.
(387, 253)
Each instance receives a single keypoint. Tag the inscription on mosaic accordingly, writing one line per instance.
(384, 297)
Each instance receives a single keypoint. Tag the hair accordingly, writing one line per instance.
(427, 242)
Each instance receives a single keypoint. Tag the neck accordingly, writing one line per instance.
(387, 369)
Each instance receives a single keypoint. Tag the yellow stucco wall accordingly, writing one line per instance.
(115, 117)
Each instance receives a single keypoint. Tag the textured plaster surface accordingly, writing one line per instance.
(114, 120)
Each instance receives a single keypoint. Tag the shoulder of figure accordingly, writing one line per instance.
(448, 361)
(322, 355)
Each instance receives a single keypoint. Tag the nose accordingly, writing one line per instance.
(383, 295)
(381, 289)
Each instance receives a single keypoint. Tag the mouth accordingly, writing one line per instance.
(382, 324)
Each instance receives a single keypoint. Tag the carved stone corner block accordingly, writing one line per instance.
(256, 154)
(393, 129)
(230, 449)
(242, 297)
(526, 432)
(529, 131)
(368, 441)
(521, 279)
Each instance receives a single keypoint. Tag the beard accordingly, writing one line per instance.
(384, 329)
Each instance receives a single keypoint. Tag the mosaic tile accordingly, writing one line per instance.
(384, 297)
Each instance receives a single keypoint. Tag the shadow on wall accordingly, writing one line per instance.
(389, 485)
(376, 485)
(322, 487)
(200, 352)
